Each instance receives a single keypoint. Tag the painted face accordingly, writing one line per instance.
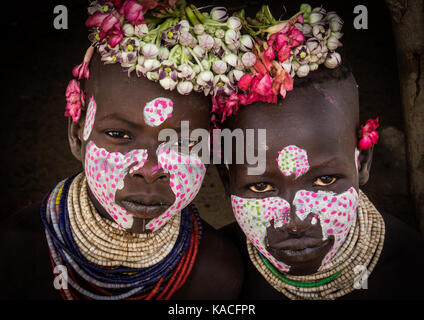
(336, 213)
(106, 171)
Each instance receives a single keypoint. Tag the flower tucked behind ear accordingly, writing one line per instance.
(75, 99)
(369, 135)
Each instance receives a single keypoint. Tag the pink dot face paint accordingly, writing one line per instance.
(293, 160)
(186, 177)
(89, 119)
(336, 213)
(157, 111)
(105, 174)
(255, 215)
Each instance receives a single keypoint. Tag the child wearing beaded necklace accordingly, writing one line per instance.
(310, 232)
(124, 228)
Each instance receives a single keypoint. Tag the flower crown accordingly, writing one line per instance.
(236, 59)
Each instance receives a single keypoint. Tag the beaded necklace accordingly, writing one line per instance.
(362, 248)
(100, 257)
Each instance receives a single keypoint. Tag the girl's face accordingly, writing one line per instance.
(135, 179)
(300, 211)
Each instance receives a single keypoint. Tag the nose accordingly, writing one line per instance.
(151, 171)
(295, 226)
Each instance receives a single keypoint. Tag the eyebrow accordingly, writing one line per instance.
(332, 162)
(117, 117)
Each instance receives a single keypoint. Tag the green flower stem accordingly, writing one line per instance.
(198, 14)
(195, 58)
(191, 16)
(172, 52)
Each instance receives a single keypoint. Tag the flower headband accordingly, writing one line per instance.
(236, 59)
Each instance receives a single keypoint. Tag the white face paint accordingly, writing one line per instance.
(157, 111)
(106, 171)
(335, 212)
(105, 174)
(89, 118)
(186, 177)
(293, 160)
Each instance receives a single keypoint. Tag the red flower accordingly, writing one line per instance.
(369, 135)
(133, 12)
(245, 81)
(74, 98)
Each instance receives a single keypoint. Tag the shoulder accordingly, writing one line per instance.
(218, 269)
(25, 270)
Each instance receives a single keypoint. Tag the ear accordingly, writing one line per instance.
(364, 165)
(224, 174)
(74, 138)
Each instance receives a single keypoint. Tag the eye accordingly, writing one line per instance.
(261, 187)
(185, 143)
(325, 180)
(118, 134)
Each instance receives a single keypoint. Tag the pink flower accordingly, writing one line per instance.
(263, 87)
(369, 135)
(283, 53)
(270, 53)
(245, 81)
(109, 25)
(82, 71)
(133, 12)
(74, 98)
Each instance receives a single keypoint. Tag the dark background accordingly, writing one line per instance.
(36, 67)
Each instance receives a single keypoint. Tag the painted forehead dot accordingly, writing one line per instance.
(157, 111)
(292, 160)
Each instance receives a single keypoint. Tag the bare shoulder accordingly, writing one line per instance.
(218, 271)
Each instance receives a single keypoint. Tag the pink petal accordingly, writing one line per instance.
(96, 19)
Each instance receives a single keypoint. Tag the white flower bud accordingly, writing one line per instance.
(185, 26)
(150, 50)
(248, 59)
(199, 51)
(233, 46)
(333, 43)
(128, 30)
(140, 60)
(219, 14)
(141, 30)
(336, 24)
(219, 67)
(333, 60)
(246, 42)
(235, 75)
(167, 83)
(315, 17)
(150, 64)
(206, 64)
(313, 66)
(302, 71)
(287, 66)
(163, 53)
(186, 39)
(234, 23)
(231, 59)
(199, 29)
(219, 33)
(313, 45)
(314, 58)
(319, 10)
(295, 65)
(204, 78)
(206, 41)
(185, 72)
(196, 69)
(154, 76)
(184, 87)
(320, 32)
(232, 37)
(338, 35)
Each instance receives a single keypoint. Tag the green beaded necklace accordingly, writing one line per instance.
(298, 283)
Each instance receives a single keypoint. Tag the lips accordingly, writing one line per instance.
(298, 250)
(144, 209)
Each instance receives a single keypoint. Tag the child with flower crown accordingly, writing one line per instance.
(125, 228)
(306, 228)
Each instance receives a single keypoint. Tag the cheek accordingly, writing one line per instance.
(186, 176)
(254, 216)
(89, 119)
